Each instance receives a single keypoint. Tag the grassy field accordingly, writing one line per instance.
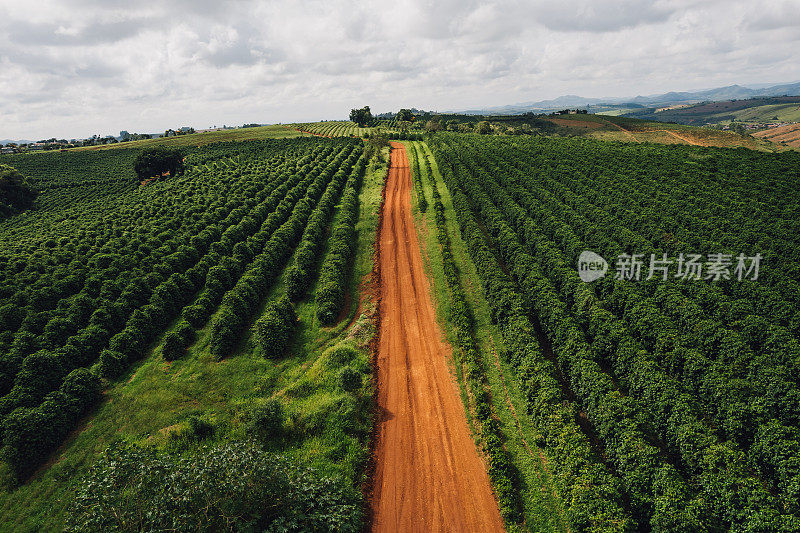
(769, 113)
(151, 405)
(542, 509)
(275, 131)
(344, 128)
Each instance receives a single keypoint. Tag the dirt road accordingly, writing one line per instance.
(428, 474)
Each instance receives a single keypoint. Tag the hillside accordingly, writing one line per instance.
(200, 139)
(640, 131)
(756, 111)
(788, 135)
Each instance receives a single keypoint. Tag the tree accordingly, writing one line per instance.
(405, 115)
(433, 126)
(15, 193)
(484, 128)
(362, 116)
(156, 161)
(376, 143)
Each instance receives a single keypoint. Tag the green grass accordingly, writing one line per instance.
(768, 113)
(543, 510)
(155, 399)
(275, 131)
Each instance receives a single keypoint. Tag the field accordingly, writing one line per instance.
(603, 127)
(131, 314)
(618, 128)
(351, 129)
(663, 403)
(407, 341)
(785, 135)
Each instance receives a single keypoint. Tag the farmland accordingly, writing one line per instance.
(654, 401)
(275, 131)
(138, 306)
(788, 135)
(357, 325)
(351, 129)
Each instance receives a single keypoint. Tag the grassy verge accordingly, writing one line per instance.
(324, 426)
(542, 509)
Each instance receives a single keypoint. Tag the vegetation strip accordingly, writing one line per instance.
(501, 471)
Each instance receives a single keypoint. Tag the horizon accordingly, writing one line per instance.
(79, 68)
(623, 98)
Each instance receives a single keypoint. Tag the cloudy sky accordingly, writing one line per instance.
(73, 68)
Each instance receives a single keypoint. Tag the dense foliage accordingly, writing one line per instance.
(229, 487)
(90, 279)
(362, 117)
(157, 161)
(665, 405)
(341, 246)
(274, 329)
(15, 193)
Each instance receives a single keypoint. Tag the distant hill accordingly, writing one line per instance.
(731, 92)
(755, 112)
(18, 141)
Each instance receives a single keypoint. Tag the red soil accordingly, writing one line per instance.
(428, 474)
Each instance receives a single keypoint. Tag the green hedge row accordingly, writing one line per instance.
(594, 497)
(341, 246)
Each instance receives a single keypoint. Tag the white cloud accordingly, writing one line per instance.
(73, 68)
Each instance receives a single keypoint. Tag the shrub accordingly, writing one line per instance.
(230, 487)
(195, 315)
(349, 379)
(176, 342)
(173, 347)
(111, 364)
(223, 332)
(84, 386)
(273, 330)
(341, 355)
(296, 282)
(266, 421)
(199, 428)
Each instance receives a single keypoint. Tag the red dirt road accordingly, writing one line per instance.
(428, 475)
